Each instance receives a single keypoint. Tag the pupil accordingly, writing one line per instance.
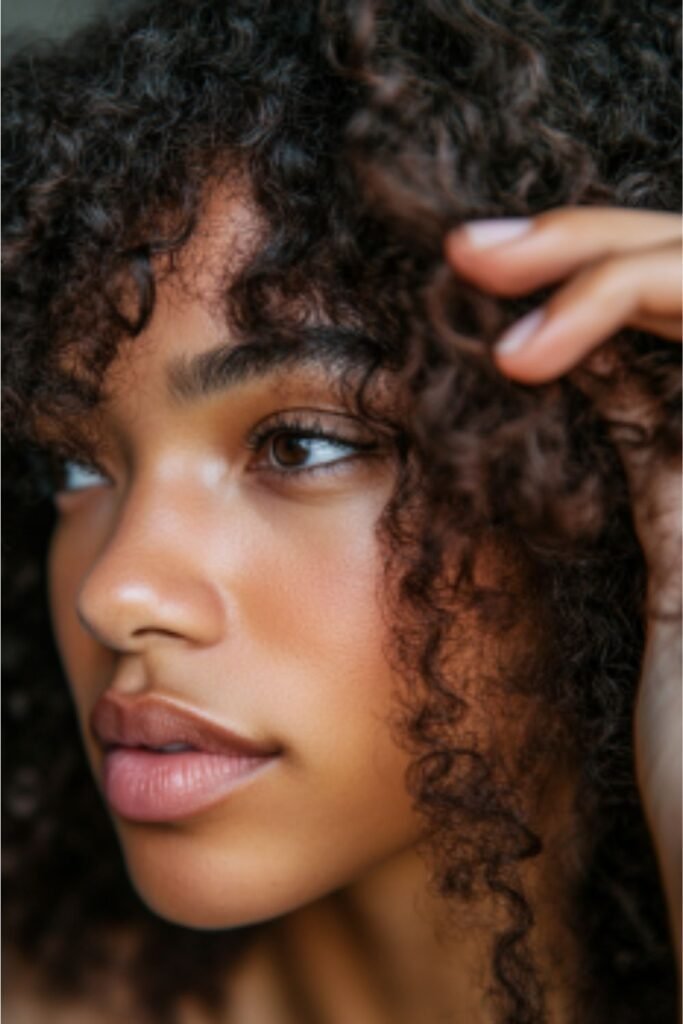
(289, 450)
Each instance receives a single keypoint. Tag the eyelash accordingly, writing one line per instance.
(297, 427)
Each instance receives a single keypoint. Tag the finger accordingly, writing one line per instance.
(515, 256)
(596, 303)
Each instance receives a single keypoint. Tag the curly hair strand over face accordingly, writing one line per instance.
(363, 131)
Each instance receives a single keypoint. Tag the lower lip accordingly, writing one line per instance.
(143, 785)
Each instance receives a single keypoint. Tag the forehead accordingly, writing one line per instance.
(190, 313)
(191, 347)
(229, 232)
(191, 283)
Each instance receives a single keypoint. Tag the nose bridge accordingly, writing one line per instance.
(151, 577)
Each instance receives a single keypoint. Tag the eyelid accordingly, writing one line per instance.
(309, 424)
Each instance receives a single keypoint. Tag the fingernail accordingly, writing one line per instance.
(516, 337)
(484, 234)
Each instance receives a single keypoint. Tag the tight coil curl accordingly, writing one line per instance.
(364, 131)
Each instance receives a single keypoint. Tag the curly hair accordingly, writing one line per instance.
(365, 131)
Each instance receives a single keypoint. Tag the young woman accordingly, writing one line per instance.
(343, 413)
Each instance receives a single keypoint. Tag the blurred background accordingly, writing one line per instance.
(24, 19)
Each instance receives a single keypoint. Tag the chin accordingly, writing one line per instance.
(203, 887)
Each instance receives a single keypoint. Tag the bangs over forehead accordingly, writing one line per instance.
(220, 258)
(112, 185)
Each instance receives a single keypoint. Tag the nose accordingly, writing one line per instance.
(152, 578)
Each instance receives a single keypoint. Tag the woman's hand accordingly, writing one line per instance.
(615, 268)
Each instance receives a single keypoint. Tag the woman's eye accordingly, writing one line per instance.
(75, 476)
(288, 450)
(293, 443)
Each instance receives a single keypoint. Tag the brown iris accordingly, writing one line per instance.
(290, 450)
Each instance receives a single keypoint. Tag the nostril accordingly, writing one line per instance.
(157, 630)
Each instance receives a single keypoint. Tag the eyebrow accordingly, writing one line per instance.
(336, 349)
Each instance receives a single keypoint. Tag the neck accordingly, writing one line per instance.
(388, 948)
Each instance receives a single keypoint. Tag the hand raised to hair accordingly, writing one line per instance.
(615, 268)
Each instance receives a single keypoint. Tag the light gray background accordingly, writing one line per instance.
(22, 19)
(51, 16)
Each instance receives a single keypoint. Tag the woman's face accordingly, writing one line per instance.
(223, 564)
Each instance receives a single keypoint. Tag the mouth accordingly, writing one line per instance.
(164, 762)
(171, 748)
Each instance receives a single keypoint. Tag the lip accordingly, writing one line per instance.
(143, 784)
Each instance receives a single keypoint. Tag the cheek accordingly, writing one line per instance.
(311, 605)
(311, 613)
(325, 559)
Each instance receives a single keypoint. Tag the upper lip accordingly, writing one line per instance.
(152, 721)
